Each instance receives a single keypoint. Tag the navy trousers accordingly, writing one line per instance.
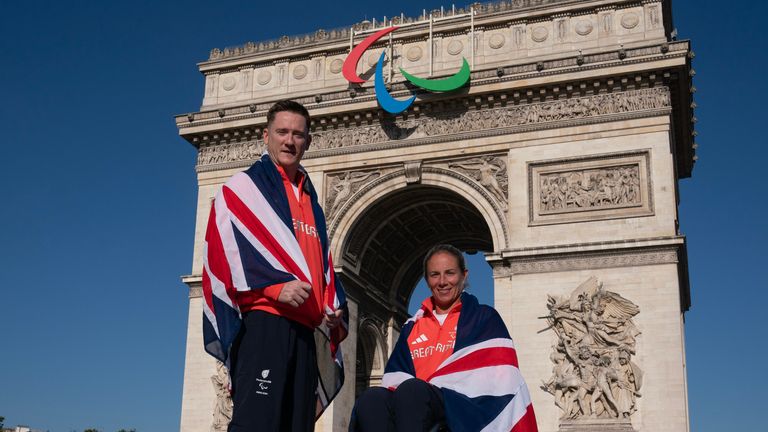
(275, 375)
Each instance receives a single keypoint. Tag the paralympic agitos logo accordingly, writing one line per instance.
(386, 101)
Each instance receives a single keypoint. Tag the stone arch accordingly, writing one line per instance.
(493, 212)
(382, 232)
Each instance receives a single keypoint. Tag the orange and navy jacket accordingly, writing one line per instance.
(430, 342)
(309, 313)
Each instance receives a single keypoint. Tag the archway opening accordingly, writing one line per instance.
(383, 252)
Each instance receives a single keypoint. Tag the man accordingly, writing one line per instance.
(268, 282)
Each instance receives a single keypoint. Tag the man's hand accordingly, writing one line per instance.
(294, 293)
(333, 319)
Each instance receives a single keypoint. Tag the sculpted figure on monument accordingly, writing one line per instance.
(485, 170)
(343, 186)
(593, 367)
(222, 412)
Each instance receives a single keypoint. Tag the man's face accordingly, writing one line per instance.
(287, 138)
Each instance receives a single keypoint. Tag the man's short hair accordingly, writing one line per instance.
(287, 105)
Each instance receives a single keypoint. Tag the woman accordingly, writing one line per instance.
(454, 364)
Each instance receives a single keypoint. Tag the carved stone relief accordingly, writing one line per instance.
(496, 41)
(414, 53)
(264, 77)
(228, 82)
(454, 122)
(223, 153)
(222, 411)
(455, 47)
(599, 187)
(341, 187)
(583, 27)
(489, 171)
(654, 15)
(539, 34)
(336, 66)
(593, 374)
(592, 188)
(300, 71)
(630, 20)
(606, 23)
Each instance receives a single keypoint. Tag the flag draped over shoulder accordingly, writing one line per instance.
(482, 387)
(250, 244)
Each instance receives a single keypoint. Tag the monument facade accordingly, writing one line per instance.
(560, 161)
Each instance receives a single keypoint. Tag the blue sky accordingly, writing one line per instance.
(99, 197)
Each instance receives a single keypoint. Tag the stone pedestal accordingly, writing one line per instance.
(591, 425)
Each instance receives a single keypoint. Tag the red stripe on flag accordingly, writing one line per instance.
(208, 292)
(242, 212)
(481, 358)
(216, 258)
(527, 422)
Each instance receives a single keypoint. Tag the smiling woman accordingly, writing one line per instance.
(445, 273)
(446, 355)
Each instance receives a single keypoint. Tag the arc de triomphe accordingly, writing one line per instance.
(560, 161)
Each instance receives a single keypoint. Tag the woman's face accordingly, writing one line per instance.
(445, 280)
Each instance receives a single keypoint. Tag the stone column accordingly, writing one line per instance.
(199, 395)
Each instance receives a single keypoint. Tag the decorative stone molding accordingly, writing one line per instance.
(593, 375)
(195, 285)
(340, 188)
(586, 261)
(590, 188)
(195, 292)
(412, 172)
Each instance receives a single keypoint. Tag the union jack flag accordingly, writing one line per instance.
(250, 244)
(481, 383)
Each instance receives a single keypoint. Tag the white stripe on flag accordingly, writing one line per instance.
(483, 381)
(217, 286)
(231, 251)
(394, 379)
(490, 343)
(252, 197)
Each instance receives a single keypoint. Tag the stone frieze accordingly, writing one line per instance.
(452, 122)
(446, 123)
